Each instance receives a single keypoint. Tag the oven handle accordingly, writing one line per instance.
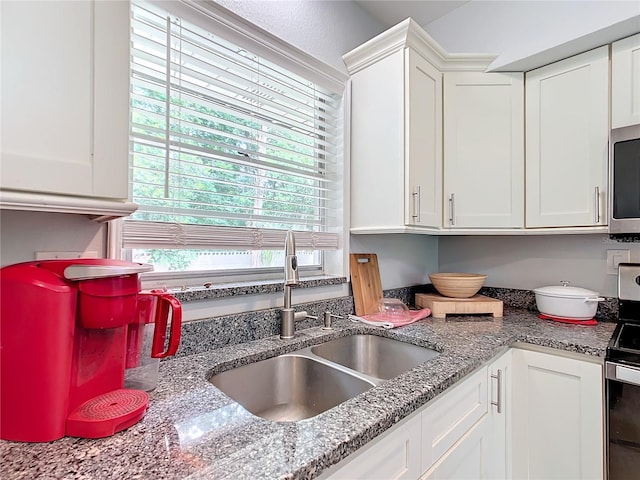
(622, 373)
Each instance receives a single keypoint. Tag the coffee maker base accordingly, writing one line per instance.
(107, 414)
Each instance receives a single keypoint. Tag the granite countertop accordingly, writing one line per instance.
(193, 430)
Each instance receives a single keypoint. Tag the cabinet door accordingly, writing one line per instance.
(484, 149)
(466, 459)
(65, 76)
(498, 459)
(423, 142)
(566, 149)
(557, 417)
(395, 455)
(377, 148)
(625, 82)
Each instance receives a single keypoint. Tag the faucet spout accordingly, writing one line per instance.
(290, 260)
(287, 313)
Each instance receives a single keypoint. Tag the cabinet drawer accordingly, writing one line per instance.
(452, 415)
(467, 459)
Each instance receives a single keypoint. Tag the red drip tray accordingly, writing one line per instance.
(591, 321)
(106, 414)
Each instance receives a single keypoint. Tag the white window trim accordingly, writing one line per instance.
(244, 33)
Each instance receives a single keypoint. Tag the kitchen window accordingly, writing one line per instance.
(228, 151)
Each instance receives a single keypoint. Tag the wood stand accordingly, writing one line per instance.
(440, 306)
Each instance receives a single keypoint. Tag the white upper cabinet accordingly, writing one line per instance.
(397, 133)
(440, 146)
(65, 96)
(483, 150)
(396, 136)
(567, 130)
(625, 79)
(423, 140)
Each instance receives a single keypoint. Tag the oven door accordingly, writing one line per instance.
(623, 421)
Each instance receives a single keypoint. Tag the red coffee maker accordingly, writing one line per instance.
(63, 348)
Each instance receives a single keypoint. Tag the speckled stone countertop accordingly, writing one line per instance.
(210, 291)
(193, 430)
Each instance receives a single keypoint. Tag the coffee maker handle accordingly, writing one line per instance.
(166, 302)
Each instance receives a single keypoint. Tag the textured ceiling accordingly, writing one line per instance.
(390, 12)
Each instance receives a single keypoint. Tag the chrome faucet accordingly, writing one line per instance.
(288, 315)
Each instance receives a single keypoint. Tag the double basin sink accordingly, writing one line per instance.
(307, 382)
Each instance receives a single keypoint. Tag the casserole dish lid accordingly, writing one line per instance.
(565, 291)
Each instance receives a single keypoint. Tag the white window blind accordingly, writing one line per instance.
(228, 151)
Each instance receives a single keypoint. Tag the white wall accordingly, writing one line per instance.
(403, 259)
(22, 234)
(326, 29)
(528, 262)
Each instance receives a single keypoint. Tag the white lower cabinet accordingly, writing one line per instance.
(525, 415)
(449, 438)
(456, 431)
(466, 459)
(557, 417)
(498, 457)
(449, 418)
(394, 455)
(476, 415)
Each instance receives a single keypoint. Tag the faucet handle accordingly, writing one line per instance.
(302, 315)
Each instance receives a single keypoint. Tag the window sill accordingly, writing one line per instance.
(225, 290)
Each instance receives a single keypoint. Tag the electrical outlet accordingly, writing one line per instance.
(615, 258)
(65, 255)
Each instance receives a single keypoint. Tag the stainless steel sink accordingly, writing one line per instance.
(307, 382)
(379, 357)
(289, 387)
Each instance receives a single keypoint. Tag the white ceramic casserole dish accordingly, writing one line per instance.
(568, 302)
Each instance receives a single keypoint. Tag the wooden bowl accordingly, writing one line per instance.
(457, 285)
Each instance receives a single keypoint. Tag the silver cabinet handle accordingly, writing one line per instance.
(452, 209)
(416, 204)
(498, 402)
(597, 209)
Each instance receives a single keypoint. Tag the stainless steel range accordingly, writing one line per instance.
(622, 374)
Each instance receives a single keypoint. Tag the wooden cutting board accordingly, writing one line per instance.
(365, 282)
(441, 305)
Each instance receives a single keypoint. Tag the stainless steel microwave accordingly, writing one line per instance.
(624, 181)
